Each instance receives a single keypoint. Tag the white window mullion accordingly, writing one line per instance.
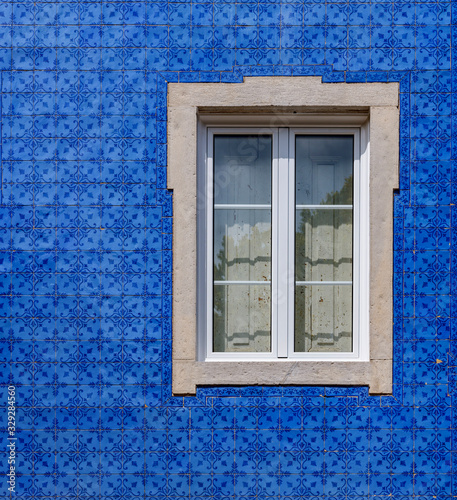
(282, 298)
(274, 244)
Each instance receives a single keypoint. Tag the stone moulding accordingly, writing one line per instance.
(188, 104)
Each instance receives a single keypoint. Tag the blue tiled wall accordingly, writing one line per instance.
(85, 256)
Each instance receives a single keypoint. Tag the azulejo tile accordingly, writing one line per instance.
(89, 221)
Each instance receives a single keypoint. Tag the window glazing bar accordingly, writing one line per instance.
(240, 206)
(283, 234)
(303, 283)
(228, 282)
(325, 207)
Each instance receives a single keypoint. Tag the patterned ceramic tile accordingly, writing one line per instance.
(85, 255)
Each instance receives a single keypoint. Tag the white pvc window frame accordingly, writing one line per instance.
(283, 244)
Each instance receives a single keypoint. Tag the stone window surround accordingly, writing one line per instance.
(191, 104)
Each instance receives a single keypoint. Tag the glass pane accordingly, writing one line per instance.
(323, 318)
(242, 169)
(324, 169)
(242, 245)
(242, 318)
(323, 245)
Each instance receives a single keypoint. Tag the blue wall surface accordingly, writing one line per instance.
(85, 256)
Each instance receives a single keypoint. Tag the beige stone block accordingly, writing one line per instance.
(184, 378)
(384, 144)
(280, 91)
(381, 376)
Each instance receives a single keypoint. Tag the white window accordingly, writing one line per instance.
(286, 241)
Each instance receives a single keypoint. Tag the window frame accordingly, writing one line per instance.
(261, 100)
(283, 243)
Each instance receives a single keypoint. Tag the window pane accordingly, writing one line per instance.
(324, 170)
(242, 169)
(242, 244)
(242, 318)
(323, 318)
(323, 245)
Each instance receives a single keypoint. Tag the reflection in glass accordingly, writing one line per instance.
(324, 167)
(242, 318)
(323, 243)
(242, 243)
(242, 169)
(323, 318)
